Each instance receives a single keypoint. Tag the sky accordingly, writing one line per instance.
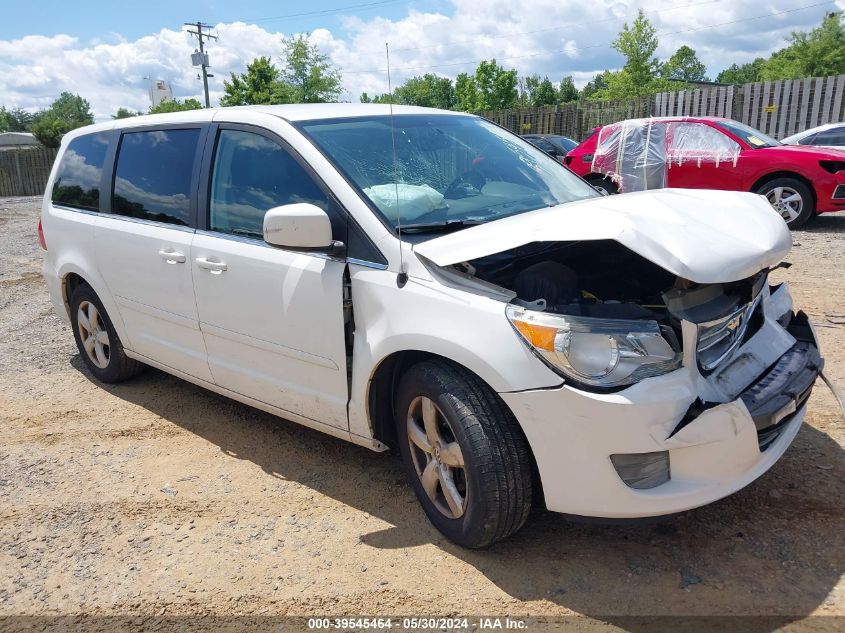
(104, 51)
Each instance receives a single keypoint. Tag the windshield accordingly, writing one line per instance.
(755, 138)
(449, 170)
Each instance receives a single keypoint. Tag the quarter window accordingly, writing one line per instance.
(77, 183)
(253, 174)
(153, 176)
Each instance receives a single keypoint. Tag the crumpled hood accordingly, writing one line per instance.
(701, 235)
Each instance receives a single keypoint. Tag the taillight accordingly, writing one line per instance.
(41, 236)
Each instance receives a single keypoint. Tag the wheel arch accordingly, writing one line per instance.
(762, 180)
(381, 392)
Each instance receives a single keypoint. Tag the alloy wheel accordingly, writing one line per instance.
(437, 457)
(93, 334)
(786, 201)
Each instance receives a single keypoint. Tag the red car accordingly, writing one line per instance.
(712, 153)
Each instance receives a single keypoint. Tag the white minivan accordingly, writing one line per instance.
(426, 281)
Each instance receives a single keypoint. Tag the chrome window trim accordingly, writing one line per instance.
(366, 264)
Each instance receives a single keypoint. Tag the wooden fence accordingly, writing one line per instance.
(24, 172)
(778, 108)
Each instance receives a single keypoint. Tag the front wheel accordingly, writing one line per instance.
(791, 198)
(466, 457)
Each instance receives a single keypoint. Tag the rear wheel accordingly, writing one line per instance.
(791, 198)
(466, 457)
(97, 340)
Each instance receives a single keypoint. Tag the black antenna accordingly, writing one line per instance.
(402, 278)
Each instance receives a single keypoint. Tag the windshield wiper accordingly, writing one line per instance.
(438, 227)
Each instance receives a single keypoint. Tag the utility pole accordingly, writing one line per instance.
(200, 58)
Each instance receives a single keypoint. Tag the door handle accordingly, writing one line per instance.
(215, 267)
(172, 256)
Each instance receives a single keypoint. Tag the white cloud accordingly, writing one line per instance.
(550, 37)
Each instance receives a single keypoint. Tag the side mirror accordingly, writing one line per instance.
(299, 225)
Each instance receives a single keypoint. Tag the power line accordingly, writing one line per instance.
(604, 45)
(366, 5)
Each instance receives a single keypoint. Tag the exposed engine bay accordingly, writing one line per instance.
(604, 279)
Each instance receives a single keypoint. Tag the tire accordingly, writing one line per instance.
(791, 198)
(495, 482)
(95, 336)
(604, 184)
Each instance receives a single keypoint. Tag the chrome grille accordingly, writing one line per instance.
(718, 339)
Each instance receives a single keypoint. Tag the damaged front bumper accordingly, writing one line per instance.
(678, 441)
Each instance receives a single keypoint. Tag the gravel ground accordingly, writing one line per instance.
(157, 497)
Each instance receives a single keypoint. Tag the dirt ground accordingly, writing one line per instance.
(157, 497)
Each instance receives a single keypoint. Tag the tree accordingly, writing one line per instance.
(684, 65)
(365, 98)
(638, 43)
(817, 53)
(174, 105)
(466, 93)
(490, 88)
(429, 91)
(567, 92)
(49, 130)
(742, 74)
(596, 84)
(15, 120)
(260, 84)
(68, 112)
(309, 74)
(536, 92)
(124, 113)
(72, 109)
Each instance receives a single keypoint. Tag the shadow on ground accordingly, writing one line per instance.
(775, 548)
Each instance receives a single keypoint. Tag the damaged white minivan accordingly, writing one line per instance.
(429, 282)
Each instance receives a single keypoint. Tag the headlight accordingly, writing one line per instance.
(598, 352)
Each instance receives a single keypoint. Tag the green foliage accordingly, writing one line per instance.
(817, 53)
(490, 88)
(567, 92)
(742, 74)
(684, 65)
(307, 77)
(49, 129)
(258, 85)
(68, 112)
(536, 92)
(637, 43)
(365, 98)
(174, 105)
(598, 83)
(15, 120)
(429, 91)
(308, 73)
(124, 113)
(72, 109)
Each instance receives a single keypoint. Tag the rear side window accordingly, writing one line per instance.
(153, 176)
(834, 137)
(78, 179)
(251, 175)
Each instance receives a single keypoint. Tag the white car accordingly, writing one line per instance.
(828, 135)
(427, 281)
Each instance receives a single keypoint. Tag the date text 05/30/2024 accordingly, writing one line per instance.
(415, 624)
